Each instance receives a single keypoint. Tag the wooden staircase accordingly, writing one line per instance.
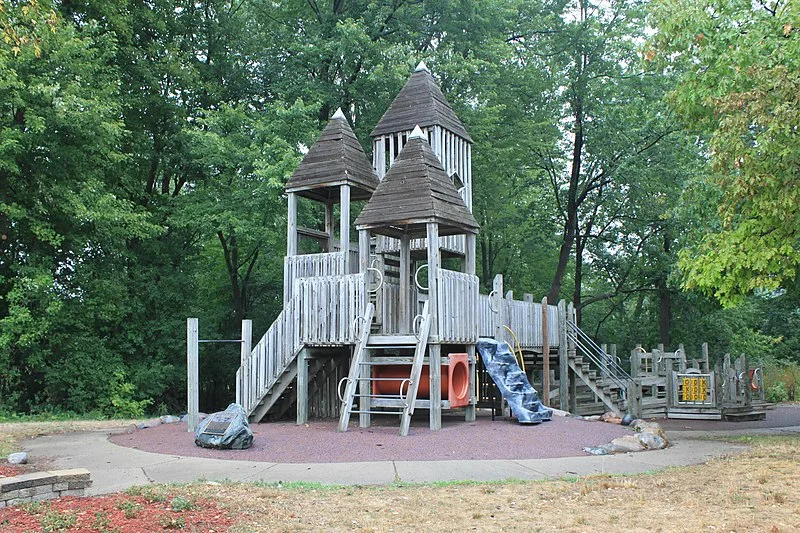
(609, 385)
(604, 390)
(371, 351)
(265, 379)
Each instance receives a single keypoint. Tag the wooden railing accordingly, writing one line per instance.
(458, 305)
(321, 311)
(449, 243)
(328, 305)
(310, 265)
(268, 360)
(524, 318)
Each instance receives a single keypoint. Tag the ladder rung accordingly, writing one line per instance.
(376, 412)
(381, 379)
(387, 396)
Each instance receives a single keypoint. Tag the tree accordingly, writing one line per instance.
(63, 227)
(741, 79)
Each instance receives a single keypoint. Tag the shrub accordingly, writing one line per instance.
(119, 401)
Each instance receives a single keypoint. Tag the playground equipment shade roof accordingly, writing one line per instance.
(335, 159)
(415, 191)
(419, 103)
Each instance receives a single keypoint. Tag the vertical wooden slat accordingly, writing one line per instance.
(192, 373)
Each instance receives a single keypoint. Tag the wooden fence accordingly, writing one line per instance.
(458, 306)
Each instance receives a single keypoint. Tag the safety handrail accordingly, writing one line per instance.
(598, 356)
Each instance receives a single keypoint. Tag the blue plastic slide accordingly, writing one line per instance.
(512, 382)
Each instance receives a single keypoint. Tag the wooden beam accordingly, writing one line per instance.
(291, 226)
(469, 268)
(500, 307)
(434, 351)
(571, 353)
(302, 387)
(344, 225)
(404, 314)
(545, 354)
(329, 226)
(192, 373)
(563, 364)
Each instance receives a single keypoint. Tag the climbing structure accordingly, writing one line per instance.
(387, 322)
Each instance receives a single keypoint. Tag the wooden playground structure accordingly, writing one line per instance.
(388, 322)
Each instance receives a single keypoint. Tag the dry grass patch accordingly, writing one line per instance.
(756, 491)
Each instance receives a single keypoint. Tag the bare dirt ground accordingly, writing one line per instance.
(756, 491)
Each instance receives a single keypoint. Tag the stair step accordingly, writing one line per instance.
(392, 341)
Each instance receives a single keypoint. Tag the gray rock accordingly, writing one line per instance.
(169, 419)
(628, 443)
(155, 422)
(651, 441)
(598, 450)
(225, 430)
(18, 458)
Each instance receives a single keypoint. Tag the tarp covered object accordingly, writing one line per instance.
(512, 382)
(226, 430)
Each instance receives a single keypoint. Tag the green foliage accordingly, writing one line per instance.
(777, 393)
(742, 77)
(119, 401)
(179, 504)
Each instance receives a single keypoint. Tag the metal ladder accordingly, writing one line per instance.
(359, 383)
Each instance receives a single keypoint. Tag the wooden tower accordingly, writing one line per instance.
(334, 171)
(417, 199)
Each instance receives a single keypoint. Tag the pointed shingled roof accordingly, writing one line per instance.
(335, 159)
(419, 103)
(415, 191)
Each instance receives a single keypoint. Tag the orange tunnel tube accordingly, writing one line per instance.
(455, 380)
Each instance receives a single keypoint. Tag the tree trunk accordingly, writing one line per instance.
(580, 242)
(570, 226)
(664, 300)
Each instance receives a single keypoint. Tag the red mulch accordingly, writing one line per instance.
(117, 512)
(7, 470)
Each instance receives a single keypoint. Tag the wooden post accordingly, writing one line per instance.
(302, 387)
(405, 315)
(344, 224)
(434, 350)
(571, 353)
(500, 307)
(636, 361)
(683, 358)
(193, 374)
(245, 348)
(563, 365)
(613, 356)
(469, 268)
(329, 226)
(706, 367)
(364, 387)
(291, 226)
(545, 354)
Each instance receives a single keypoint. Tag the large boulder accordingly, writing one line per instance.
(225, 430)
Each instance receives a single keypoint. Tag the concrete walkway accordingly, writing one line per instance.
(115, 468)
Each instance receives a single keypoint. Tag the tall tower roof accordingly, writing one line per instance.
(335, 159)
(420, 102)
(415, 191)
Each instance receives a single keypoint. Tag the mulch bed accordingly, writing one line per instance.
(320, 442)
(123, 513)
(9, 470)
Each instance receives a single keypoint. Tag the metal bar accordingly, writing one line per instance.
(231, 340)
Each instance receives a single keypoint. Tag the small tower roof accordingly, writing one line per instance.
(335, 159)
(415, 191)
(420, 102)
